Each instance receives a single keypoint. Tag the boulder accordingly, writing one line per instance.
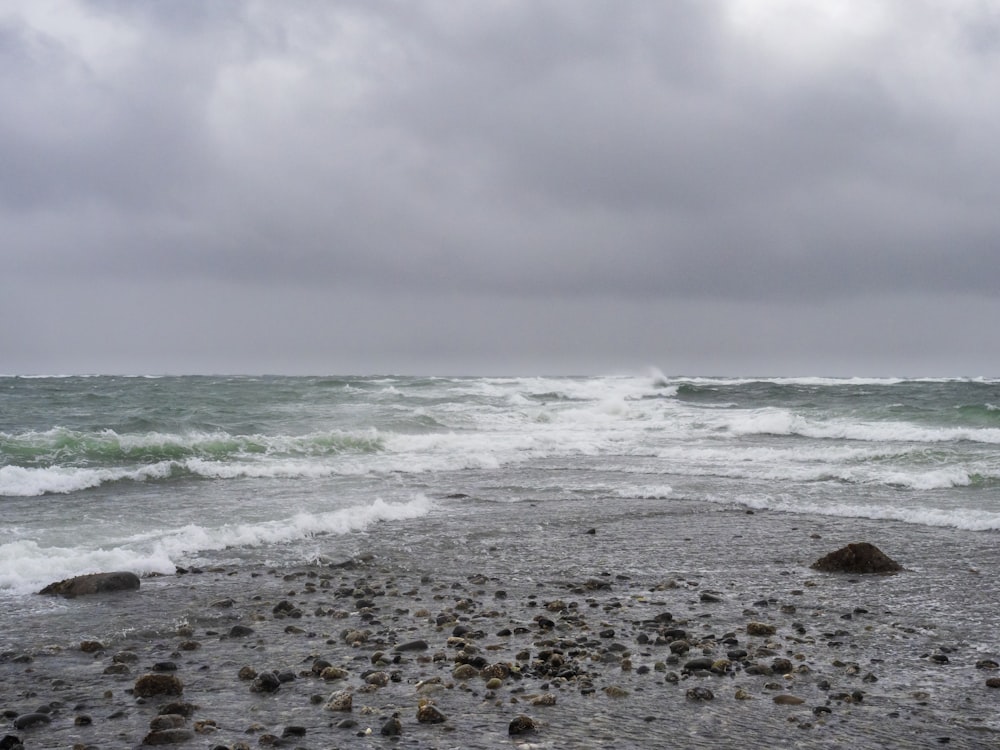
(95, 583)
(860, 557)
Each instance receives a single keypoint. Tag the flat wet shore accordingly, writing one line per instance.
(494, 644)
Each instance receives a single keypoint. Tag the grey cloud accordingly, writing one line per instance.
(543, 154)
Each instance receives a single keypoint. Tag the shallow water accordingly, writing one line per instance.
(652, 560)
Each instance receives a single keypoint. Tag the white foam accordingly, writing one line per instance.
(775, 421)
(960, 518)
(17, 481)
(25, 566)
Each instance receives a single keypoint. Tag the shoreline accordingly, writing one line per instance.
(592, 655)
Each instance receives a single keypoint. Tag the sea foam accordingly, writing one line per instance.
(26, 566)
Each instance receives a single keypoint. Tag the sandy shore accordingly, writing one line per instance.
(463, 658)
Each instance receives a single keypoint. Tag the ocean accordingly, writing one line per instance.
(505, 475)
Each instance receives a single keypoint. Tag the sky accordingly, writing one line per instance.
(708, 187)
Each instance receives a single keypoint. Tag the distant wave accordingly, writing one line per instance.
(958, 518)
(775, 421)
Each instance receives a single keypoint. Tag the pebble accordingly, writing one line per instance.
(788, 700)
(157, 684)
(521, 725)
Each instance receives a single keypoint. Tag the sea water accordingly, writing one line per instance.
(738, 484)
(146, 473)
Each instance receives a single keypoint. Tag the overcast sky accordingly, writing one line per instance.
(500, 186)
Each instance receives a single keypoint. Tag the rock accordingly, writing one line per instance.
(788, 700)
(95, 583)
(331, 674)
(428, 714)
(166, 721)
(701, 663)
(760, 628)
(393, 727)
(520, 725)
(341, 700)
(11, 742)
(859, 557)
(157, 684)
(91, 647)
(168, 737)
(700, 694)
(26, 721)
(240, 631)
(419, 645)
(993, 682)
(179, 708)
(265, 682)
(465, 672)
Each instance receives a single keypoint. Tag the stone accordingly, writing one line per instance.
(265, 682)
(859, 557)
(993, 682)
(341, 700)
(166, 721)
(393, 727)
(788, 700)
(330, 674)
(465, 672)
(419, 645)
(521, 725)
(94, 583)
(157, 684)
(168, 737)
(700, 694)
(26, 721)
(91, 647)
(427, 713)
(760, 628)
(240, 631)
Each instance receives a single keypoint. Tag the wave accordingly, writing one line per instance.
(80, 448)
(776, 421)
(959, 518)
(26, 566)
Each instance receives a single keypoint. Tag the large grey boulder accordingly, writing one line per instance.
(95, 583)
(860, 557)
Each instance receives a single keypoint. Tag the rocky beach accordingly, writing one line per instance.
(689, 627)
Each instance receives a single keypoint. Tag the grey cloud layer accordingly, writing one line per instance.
(541, 150)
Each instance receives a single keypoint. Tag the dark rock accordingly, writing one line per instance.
(11, 742)
(428, 714)
(293, 731)
(95, 583)
(168, 737)
(700, 694)
(702, 663)
(179, 708)
(26, 721)
(860, 557)
(419, 645)
(265, 682)
(165, 666)
(393, 727)
(993, 682)
(157, 684)
(240, 631)
(91, 647)
(166, 721)
(520, 725)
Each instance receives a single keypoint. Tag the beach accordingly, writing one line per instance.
(641, 630)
